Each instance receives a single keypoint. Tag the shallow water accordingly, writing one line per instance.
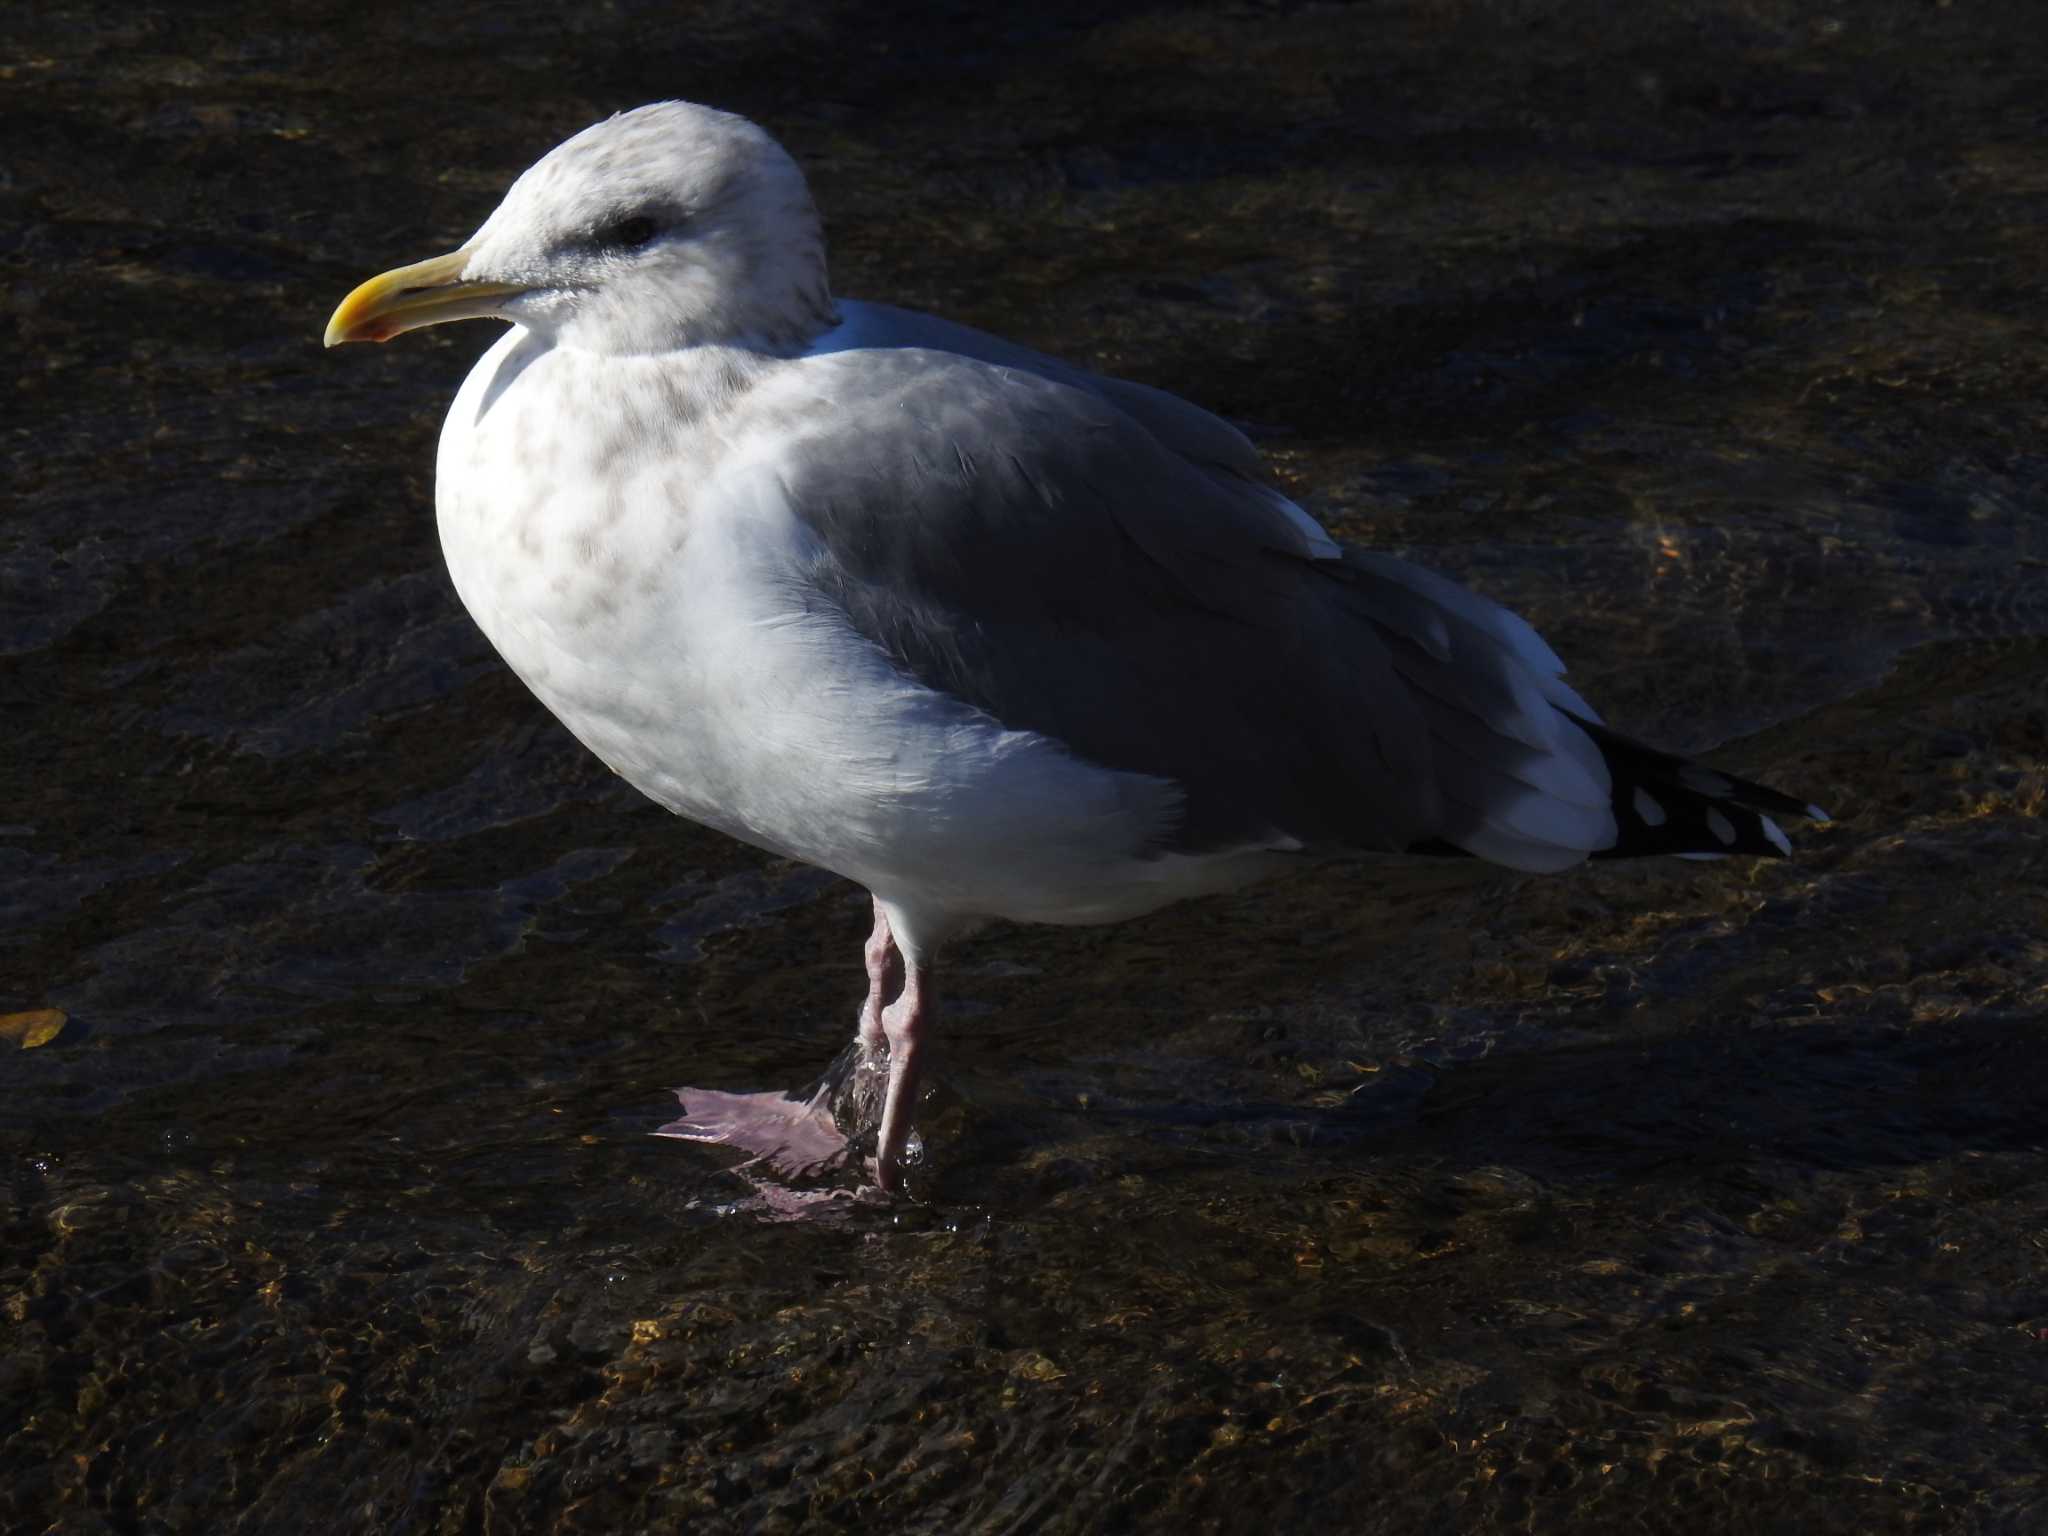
(1713, 1197)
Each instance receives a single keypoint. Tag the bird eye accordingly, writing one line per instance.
(634, 231)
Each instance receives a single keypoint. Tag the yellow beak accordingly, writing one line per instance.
(425, 293)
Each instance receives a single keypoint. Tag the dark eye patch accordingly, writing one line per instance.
(635, 230)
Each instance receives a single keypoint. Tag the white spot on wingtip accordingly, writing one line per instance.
(1777, 836)
(1701, 858)
(1814, 813)
(1647, 807)
(1722, 828)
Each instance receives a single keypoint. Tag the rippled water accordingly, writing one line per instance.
(1707, 1197)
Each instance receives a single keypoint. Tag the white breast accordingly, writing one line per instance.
(642, 576)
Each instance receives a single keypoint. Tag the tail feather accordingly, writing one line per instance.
(1664, 804)
(1524, 773)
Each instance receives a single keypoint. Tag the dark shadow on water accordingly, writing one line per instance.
(1797, 1100)
(1538, 347)
(1831, 1096)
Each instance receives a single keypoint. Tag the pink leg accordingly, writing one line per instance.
(904, 1024)
(800, 1138)
(885, 978)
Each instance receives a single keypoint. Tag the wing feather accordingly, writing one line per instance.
(1099, 563)
(1030, 548)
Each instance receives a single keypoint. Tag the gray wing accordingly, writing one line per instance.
(1177, 424)
(1036, 550)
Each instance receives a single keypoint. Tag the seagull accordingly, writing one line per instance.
(987, 633)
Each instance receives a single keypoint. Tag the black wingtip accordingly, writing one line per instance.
(1665, 804)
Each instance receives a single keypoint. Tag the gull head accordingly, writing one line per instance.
(666, 227)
